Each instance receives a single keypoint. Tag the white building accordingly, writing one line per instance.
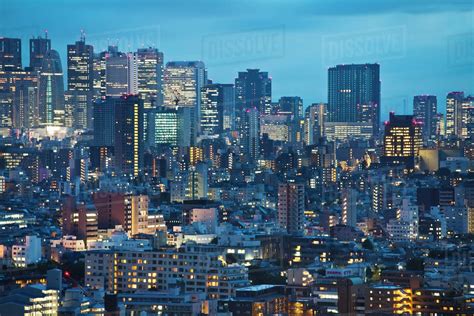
(28, 253)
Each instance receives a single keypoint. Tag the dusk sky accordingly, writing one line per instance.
(423, 46)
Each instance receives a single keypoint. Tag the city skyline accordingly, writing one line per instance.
(435, 59)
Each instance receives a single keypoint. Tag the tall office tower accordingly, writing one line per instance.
(425, 109)
(80, 81)
(99, 68)
(128, 139)
(291, 204)
(25, 110)
(454, 113)
(468, 119)
(315, 116)
(38, 48)
(10, 54)
(291, 106)
(183, 81)
(349, 207)
(217, 108)
(121, 76)
(354, 94)
(104, 122)
(163, 127)
(253, 89)
(402, 140)
(51, 90)
(251, 133)
(6, 109)
(150, 76)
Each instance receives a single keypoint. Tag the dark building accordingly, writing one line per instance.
(38, 48)
(290, 106)
(253, 89)
(425, 111)
(264, 299)
(128, 135)
(354, 94)
(104, 125)
(10, 54)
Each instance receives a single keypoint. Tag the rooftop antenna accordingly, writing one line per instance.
(83, 36)
(46, 34)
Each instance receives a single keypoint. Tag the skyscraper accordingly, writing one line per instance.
(6, 109)
(150, 76)
(38, 48)
(128, 139)
(253, 89)
(402, 140)
(104, 122)
(120, 73)
(10, 54)
(291, 106)
(315, 116)
(291, 204)
(424, 110)
(250, 131)
(354, 94)
(80, 82)
(217, 108)
(183, 81)
(163, 127)
(454, 113)
(51, 90)
(459, 114)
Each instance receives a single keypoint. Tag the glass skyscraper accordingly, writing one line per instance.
(354, 94)
(425, 110)
(51, 90)
(80, 82)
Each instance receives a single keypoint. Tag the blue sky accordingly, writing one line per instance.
(423, 46)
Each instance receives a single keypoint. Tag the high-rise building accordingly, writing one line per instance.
(128, 135)
(163, 127)
(10, 54)
(25, 110)
(315, 116)
(217, 108)
(183, 81)
(6, 109)
(454, 113)
(425, 109)
(104, 122)
(290, 106)
(402, 140)
(291, 204)
(354, 94)
(121, 75)
(51, 90)
(80, 82)
(250, 130)
(253, 89)
(150, 76)
(459, 115)
(38, 48)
